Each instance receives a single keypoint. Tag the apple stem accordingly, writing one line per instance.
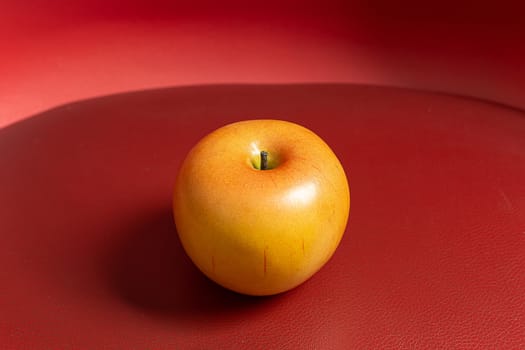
(264, 160)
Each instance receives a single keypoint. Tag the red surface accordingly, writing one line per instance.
(433, 257)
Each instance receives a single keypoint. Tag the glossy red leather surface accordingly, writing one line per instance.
(433, 257)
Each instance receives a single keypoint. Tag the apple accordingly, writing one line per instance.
(261, 205)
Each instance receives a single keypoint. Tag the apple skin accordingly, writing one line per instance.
(261, 232)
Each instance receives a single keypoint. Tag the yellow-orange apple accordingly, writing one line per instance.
(261, 205)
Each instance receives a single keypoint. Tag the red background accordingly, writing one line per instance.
(434, 254)
(99, 47)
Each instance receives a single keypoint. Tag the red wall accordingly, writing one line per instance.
(54, 52)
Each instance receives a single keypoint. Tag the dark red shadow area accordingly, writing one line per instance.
(433, 256)
(149, 270)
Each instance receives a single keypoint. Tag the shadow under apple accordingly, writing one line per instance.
(149, 270)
